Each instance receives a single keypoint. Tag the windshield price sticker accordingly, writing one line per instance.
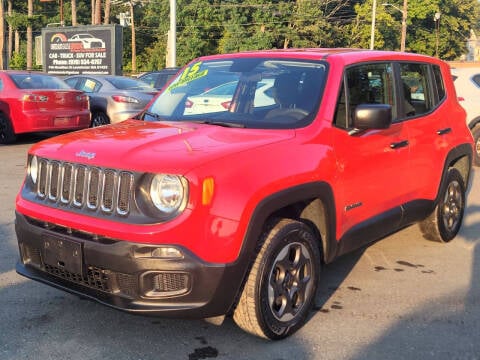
(190, 74)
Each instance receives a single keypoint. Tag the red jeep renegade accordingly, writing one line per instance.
(246, 174)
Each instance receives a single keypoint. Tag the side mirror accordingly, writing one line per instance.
(372, 116)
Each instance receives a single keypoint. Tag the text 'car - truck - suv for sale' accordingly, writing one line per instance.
(234, 211)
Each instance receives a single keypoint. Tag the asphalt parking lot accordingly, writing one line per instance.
(401, 298)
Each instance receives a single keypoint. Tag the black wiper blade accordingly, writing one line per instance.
(220, 123)
(150, 116)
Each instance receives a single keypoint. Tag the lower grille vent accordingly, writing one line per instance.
(95, 278)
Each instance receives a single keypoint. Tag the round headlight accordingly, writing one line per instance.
(33, 169)
(167, 193)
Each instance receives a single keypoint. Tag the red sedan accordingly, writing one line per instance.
(38, 102)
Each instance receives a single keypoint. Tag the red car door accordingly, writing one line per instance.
(372, 165)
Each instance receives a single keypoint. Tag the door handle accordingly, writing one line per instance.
(399, 144)
(444, 131)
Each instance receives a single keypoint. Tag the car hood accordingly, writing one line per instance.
(171, 147)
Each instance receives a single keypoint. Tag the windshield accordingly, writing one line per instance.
(38, 81)
(244, 92)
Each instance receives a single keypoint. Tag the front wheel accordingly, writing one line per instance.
(445, 221)
(282, 284)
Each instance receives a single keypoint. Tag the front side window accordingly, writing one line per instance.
(244, 92)
(364, 84)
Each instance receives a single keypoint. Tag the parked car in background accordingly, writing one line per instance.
(38, 102)
(467, 85)
(159, 78)
(220, 98)
(112, 98)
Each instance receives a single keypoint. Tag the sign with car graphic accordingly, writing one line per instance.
(82, 50)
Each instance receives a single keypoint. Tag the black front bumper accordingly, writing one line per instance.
(123, 274)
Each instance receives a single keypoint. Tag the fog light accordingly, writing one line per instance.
(166, 253)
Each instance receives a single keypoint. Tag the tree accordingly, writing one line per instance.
(74, 12)
(457, 18)
(218, 26)
(10, 29)
(108, 5)
(98, 12)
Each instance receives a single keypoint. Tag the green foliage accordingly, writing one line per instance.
(452, 29)
(18, 61)
(219, 26)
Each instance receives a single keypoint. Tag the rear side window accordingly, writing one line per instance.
(439, 82)
(476, 79)
(418, 96)
(90, 85)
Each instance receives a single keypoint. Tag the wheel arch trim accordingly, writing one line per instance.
(460, 157)
(322, 202)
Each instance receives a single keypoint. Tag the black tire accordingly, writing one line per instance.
(7, 134)
(99, 118)
(476, 138)
(444, 222)
(282, 283)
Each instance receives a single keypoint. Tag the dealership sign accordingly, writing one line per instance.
(82, 50)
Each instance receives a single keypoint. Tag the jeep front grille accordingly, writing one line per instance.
(85, 187)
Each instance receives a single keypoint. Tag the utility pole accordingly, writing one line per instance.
(372, 30)
(172, 37)
(30, 37)
(404, 25)
(134, 46)
(2, 35)
(404, 22)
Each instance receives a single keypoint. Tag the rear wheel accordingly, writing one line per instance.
(281, 286)
(476, 138)
(7, 134)
(99, 118)
(445, 221)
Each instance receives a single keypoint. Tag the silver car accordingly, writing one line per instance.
(467, 86)
(112, 98)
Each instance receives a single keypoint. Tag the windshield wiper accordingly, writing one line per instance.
(152, 116)
(220, 123)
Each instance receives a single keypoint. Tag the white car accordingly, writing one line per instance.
(467, 86)
(219, 98)
(88, 41)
